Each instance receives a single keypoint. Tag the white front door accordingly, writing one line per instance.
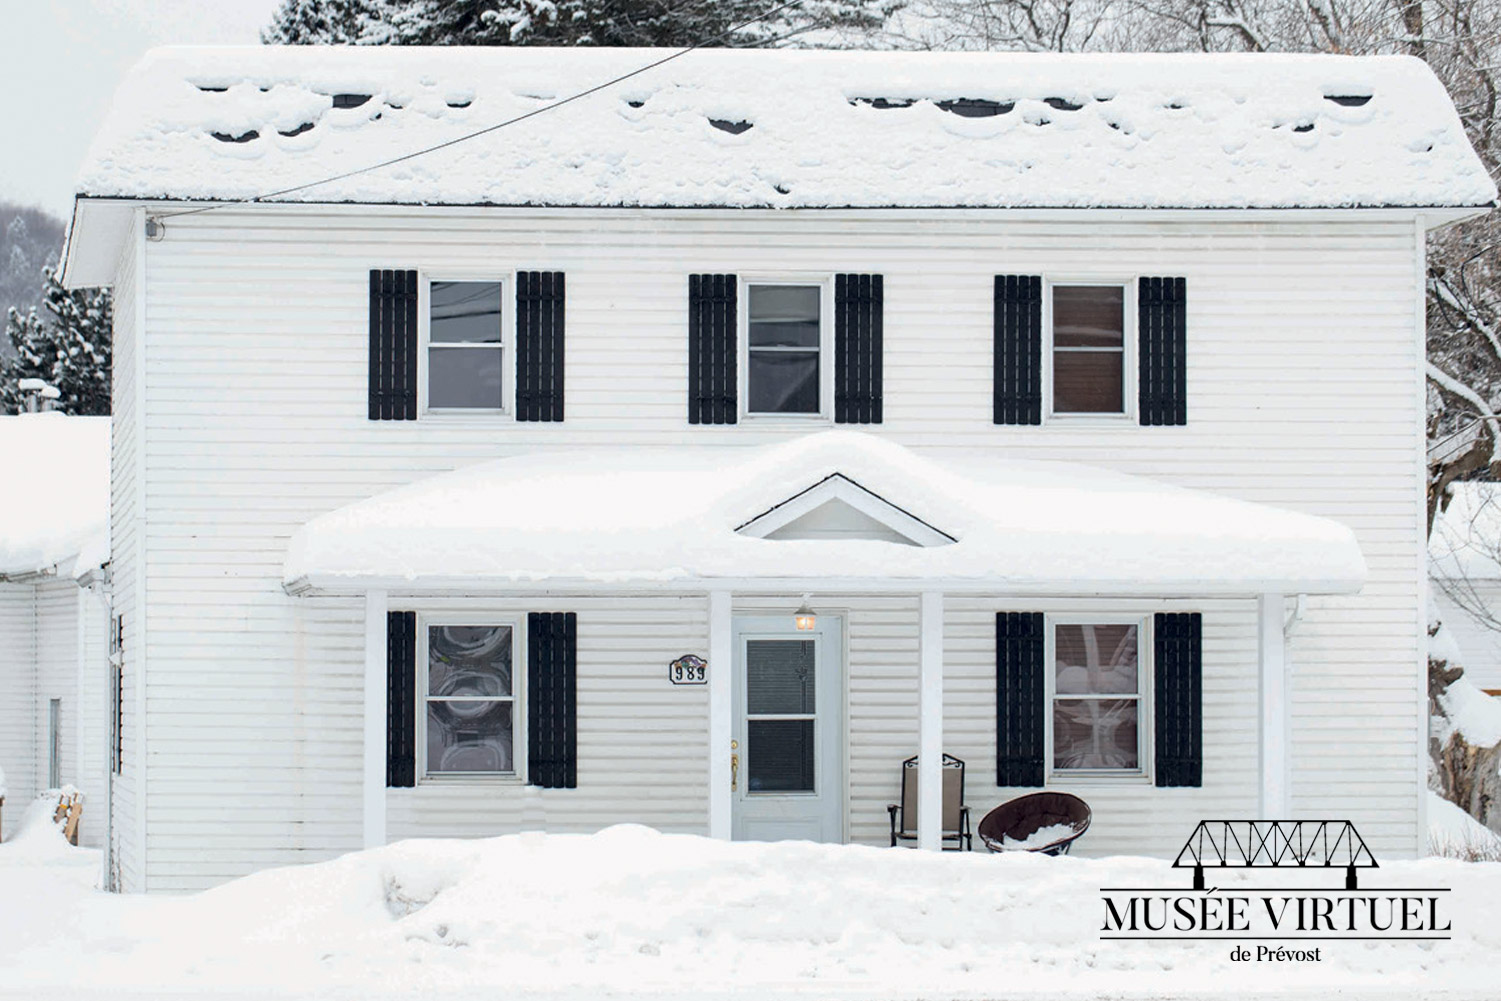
(789, 730)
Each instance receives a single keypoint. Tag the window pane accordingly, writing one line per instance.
(784, 315)
(1095, 660)
(780, 755)
(783, 382)
(1088, 382)
(469, 737)
(464, 378)
(1089, 316)
(1094, 733)
(779, 677)
(464, 311)
(469, 660)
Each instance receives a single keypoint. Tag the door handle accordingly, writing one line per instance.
(734, 772)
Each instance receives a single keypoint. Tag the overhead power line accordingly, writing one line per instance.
(281, 192)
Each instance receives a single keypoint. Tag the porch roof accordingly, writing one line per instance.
(667, 519)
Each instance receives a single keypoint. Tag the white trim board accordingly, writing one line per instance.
(837, 488)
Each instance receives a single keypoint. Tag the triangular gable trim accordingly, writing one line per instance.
(836, 487)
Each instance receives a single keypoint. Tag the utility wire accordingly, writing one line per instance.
(491, 128)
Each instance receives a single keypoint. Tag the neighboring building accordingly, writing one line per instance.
(54, 616)
(1464, 555)
(1050, 385)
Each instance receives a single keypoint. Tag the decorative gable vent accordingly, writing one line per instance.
(838, 508)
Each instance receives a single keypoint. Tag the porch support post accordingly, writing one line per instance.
(1274, 725)
(374, 784)
(930, 722)
(721, 728)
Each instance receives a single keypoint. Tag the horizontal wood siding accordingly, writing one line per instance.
(127, 856)
(1302, 383)
(1479, 643)
(18, 733)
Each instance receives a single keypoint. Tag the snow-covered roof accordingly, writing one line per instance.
(54, 496)
(669, 517)
(788, 129)
(1465, 543)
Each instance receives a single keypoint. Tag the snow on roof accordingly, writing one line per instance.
(788, 128)
(54, 497)
(669, 516)
(1465, 544)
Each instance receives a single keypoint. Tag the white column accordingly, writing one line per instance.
(721, 722)
(1275, 799)
(930, 722)
(375, 720)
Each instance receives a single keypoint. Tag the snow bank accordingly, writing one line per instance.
(788, 129)
(1454, 833)
(54, 492)
(630, 912)
(670, 515)
(1470, 712)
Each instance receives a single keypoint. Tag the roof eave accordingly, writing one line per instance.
(343, 586)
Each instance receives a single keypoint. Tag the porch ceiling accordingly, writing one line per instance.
(657, 519)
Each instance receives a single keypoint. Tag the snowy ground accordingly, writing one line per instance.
(632, 913)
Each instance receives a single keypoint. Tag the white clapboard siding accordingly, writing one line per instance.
(126, 855)
(57, 675)
(18, 732)
(1303, 392)
(91, 727)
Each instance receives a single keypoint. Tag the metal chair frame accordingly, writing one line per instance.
(959, 839)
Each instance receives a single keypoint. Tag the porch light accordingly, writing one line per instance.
(804, 618)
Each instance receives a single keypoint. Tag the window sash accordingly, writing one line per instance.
(821, 351)
(517, 697)
(1126, 350)
(1141, 697)
(428, 346)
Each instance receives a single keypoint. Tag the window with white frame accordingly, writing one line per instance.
(1089, 360)
(784, 349)
(471, 699)
(465, 346)
(1096, 686)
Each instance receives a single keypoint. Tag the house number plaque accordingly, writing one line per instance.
(689, 669)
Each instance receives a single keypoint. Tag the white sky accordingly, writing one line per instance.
(61, 62)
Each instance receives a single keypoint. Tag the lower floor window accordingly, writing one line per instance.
(470, 699)
(1096, 696)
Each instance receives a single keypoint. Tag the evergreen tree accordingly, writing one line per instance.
(69, 349)
(563, 22)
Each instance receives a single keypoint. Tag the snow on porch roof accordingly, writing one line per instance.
(54, 495)
(666, 518)
(788, 128)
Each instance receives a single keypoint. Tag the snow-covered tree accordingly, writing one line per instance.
(564, 22)
(69, 348)
(29, 241)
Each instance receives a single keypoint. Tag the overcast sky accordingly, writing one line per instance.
(62, 61)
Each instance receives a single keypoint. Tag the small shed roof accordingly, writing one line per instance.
(670, 518)
(54, 496)
(787, 129)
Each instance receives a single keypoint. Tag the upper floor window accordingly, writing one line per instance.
(465, 346)
(784, 350)
(1089, 349)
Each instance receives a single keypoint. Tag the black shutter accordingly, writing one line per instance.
(393, 345)
(551, 700)
(401, 699)
(712, 359)
(1018, 349)
(1019, 698)
(539, 346)
(1178, 694)
(857, 348)
(1162, 337)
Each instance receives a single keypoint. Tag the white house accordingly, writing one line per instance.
(54, 615)
(1079, 399)
(1464, 552)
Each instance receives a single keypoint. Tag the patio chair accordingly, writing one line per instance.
(1019, 819)
(955, 829)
